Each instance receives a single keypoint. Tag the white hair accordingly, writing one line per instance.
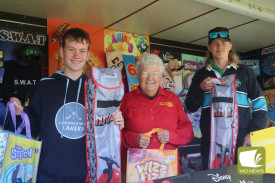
(150, 59)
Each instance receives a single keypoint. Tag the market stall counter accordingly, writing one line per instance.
(220, 175)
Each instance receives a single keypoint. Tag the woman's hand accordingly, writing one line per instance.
(17, 104)
(143, 141)
(163, 136)
(118, 119)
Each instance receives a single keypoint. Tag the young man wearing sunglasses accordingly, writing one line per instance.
(222, 61)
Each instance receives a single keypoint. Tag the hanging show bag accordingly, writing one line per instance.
(150, 164)
(224, 122)
(104, 91)
(19, 154)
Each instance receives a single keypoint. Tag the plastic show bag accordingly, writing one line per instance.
(224, 122)
(19, 154)
(150, 164)
(104, 91)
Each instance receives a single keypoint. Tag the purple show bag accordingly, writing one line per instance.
(19, 154)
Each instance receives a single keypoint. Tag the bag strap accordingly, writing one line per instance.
(12, 114)
(25, 123)
(154, 130)
(25, 120)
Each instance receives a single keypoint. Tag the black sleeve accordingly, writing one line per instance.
(195, 95)
(259, 108)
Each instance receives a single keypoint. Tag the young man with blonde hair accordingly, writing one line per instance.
(222, 61)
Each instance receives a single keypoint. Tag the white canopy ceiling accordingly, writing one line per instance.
(251, 22)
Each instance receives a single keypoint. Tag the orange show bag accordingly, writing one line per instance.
(150, 164)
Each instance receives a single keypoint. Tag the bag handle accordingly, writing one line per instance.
(154, 130)
(25, 120)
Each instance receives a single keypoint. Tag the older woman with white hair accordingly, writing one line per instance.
(150, 106)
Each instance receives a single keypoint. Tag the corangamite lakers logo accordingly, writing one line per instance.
(70, 120)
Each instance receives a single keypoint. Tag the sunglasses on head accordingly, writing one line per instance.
(214, 35)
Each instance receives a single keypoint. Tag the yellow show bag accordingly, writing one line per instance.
(150, 164)
(265, 138)
(19, 154)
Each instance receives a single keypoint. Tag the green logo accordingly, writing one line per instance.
(251, 160)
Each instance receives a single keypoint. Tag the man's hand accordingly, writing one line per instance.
(247, 141)
(17, 104)
(118, 119)
(206, 84)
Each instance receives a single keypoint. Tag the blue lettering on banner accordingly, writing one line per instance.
(19, 153)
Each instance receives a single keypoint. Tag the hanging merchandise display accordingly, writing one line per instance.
(104, 91)
(224, 122)
(270, 102)
(114, 59)
(191, 64)
(116, 44)
(174, 70)
(267, 63)
(131, 44)
(131, 72)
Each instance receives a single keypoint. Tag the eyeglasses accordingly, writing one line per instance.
(214, 35)
(152, 74)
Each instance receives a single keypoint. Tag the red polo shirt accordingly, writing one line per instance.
(165, 111)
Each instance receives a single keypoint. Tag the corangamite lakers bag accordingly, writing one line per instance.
(150, 164)
(19, 154)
